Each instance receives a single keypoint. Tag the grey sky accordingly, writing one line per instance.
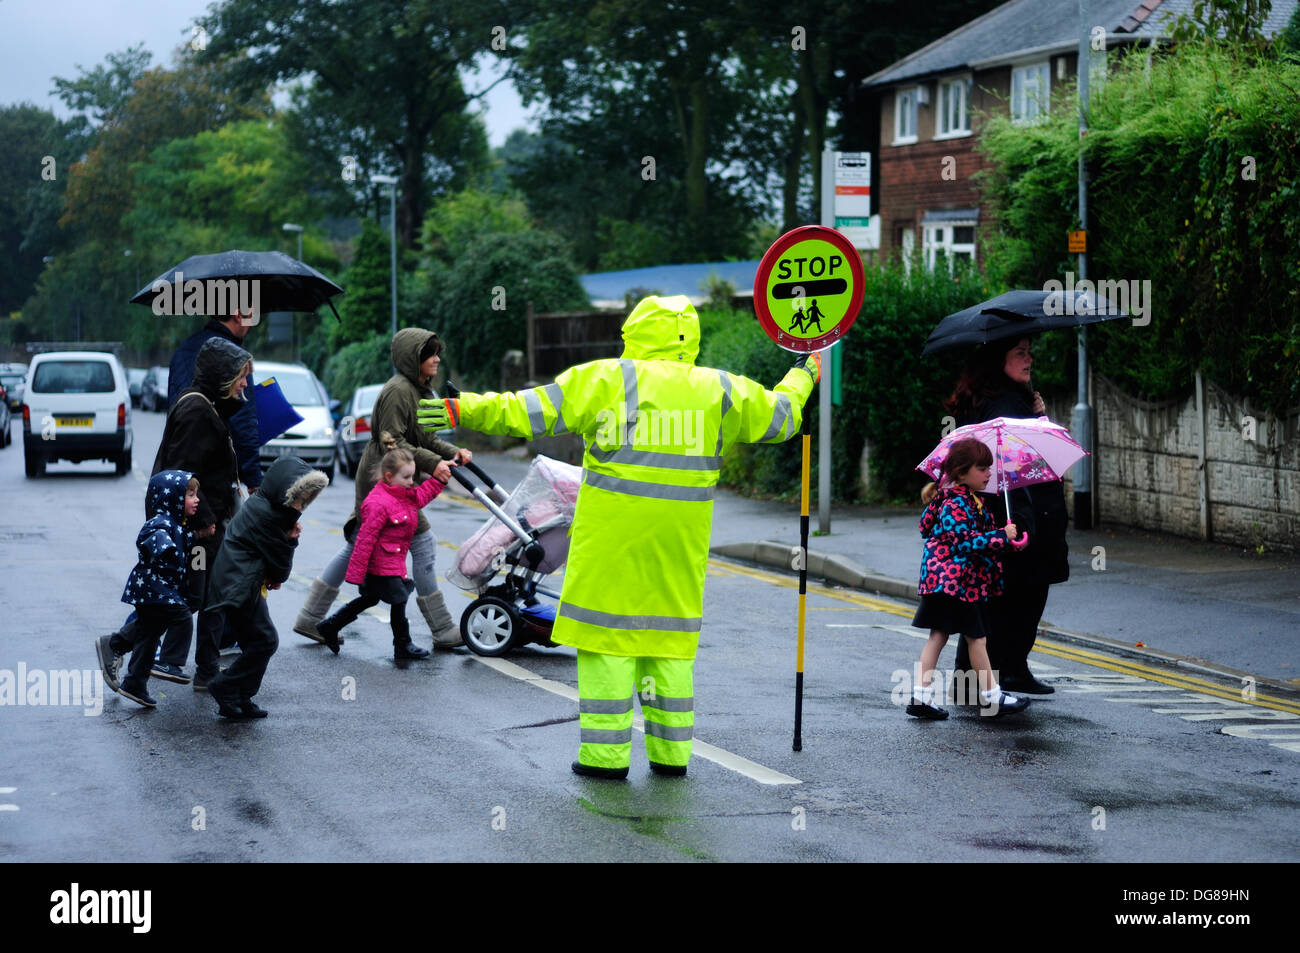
(47, 38)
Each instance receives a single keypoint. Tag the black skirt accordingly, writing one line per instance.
(950, 615)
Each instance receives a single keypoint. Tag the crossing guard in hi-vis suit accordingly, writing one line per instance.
(655, 428)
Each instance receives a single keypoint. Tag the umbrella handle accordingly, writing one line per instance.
(1021, 541)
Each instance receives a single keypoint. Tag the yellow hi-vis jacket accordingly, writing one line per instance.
(655, 428)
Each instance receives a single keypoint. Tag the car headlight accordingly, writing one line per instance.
(324, 433)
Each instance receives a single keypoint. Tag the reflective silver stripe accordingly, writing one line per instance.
(650, 458)
(658, 491)
(780, 415)
(536, 420)
(556, 394)
(607, 736)
(668, 703)
(726, 406)
(629, 396)
(604, 706)
(667, 732)
(612, 620)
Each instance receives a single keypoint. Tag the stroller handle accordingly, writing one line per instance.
(490, 500)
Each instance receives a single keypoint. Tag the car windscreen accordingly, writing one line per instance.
(73, 377)
(297, 387)
(11, 380)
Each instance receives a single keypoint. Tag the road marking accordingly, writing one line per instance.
(8, 807)
(842, 595)
(702, 749)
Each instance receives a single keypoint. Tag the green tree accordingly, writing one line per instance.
(366, 309)
(384, 78)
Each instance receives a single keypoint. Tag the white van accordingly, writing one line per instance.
(76, 406)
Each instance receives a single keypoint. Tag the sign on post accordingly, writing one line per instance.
(808, 288)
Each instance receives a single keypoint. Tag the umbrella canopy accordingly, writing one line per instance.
(1026, 450)
(1017, 313)
(272, 279)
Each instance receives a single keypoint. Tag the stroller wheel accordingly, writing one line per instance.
(489, 626)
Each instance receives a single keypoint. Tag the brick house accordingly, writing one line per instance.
(1020, 57)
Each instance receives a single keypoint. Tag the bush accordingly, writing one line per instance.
(1194, 173)
(481, 307)
(358, 364)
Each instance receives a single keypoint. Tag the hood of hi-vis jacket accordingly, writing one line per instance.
(655, 427)
(160, 573)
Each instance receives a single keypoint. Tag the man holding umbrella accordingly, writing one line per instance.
(243, 425)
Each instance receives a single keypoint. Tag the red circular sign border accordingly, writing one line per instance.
(778, 248)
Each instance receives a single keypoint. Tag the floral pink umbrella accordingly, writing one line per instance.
(1026, 451)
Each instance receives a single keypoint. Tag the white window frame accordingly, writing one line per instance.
(938, 237)
(1031, 92)
(905, 105)
(953, 92)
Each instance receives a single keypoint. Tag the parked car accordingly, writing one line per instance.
(153, 389)
(313, 438)
(11, 378)
(6, 418)
(354, 429)
(76, 406)
(134, 379)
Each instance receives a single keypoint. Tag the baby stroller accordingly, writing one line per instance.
(526, 539)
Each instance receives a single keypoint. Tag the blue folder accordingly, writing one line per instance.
(275, 414)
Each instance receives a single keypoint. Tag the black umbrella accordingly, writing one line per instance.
(1017, 313)
(272, 279)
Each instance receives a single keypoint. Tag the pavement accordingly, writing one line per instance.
(1217, 610)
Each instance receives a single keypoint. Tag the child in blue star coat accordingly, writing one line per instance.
(157, 586)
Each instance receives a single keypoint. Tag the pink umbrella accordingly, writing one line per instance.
(1025, 451)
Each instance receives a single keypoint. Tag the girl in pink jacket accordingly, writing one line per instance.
(389, 515)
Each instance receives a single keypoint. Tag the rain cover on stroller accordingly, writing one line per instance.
(545, 497)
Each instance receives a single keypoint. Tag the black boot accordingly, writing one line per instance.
(403, 647)
(328, 630)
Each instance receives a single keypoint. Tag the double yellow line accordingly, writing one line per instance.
(1046, 646)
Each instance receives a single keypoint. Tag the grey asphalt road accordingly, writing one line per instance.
(363, 758)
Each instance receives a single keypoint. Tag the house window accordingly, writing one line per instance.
(1029, 92)
(955, 241)
(954, 108)
(905, 116)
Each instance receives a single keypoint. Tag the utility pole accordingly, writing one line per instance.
(391, 182)
(1081, 420)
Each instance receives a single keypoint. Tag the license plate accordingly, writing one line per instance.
(284, 451)
(75, 421)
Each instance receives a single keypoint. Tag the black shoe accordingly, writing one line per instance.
(252, 709)
(408, 651)
(139, 696)
(668, 770)
(920, 709)
(1008, 705)
(609, 774)
(329, 633)
(171, 673)
(1026, 685)
(228, 701)
(200, 682)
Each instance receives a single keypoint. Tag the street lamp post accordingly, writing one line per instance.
(290, 227)
(391, 182)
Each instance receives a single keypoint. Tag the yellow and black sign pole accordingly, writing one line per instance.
(805, 437)
(809, 274)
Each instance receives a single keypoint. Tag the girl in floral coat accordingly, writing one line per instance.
(960, 571)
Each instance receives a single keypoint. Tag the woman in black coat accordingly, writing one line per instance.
(996, 384)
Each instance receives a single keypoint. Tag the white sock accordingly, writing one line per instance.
(991, 695)
(924, 694)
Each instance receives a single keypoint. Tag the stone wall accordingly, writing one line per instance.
(1147, 467)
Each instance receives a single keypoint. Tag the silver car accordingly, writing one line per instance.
(354, 428)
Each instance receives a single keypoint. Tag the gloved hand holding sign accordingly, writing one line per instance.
(812, 362)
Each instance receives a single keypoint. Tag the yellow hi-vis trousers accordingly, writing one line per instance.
(606, 684)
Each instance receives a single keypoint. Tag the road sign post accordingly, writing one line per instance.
(807, 294)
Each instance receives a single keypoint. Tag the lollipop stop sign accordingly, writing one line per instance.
(808, 288)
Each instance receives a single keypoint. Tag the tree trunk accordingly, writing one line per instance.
(697, 156)
(793, 166)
